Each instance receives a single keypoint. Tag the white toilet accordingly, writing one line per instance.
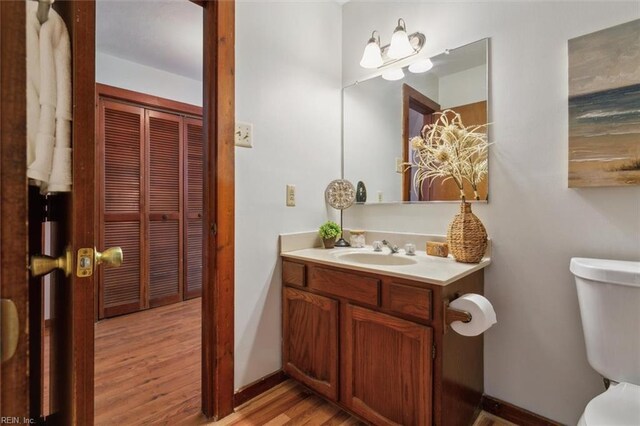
(609, 296)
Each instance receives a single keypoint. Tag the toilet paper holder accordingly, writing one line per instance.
(453, 314)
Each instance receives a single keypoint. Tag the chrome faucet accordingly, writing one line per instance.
(394, 249)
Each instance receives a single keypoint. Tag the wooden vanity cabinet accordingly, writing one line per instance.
(378, 346)
(387, 367)
(310, 351)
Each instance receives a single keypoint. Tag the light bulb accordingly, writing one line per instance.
(393, 74)
(420, 66)
(371, 58)
(400, 46)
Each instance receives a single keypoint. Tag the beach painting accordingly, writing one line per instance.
(604, 107)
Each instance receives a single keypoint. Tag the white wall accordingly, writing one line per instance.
(463, 88)
(535, 356)
(288, 81)
(373, 133)
(129, 75)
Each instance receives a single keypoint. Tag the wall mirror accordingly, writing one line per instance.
(381, 116)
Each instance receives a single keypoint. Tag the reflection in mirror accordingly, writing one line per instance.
(380, 117)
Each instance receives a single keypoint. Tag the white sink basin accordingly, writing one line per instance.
(384, 259)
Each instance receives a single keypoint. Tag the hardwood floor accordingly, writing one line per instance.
(147, 367)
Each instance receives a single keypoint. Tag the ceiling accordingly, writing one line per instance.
(163, 34)
(167, 35)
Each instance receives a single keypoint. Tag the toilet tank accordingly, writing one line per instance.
(609, 297)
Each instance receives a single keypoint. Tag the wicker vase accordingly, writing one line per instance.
(466, 236)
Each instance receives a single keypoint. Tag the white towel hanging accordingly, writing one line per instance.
(49, 88)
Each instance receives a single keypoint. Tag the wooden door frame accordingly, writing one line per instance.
(412, 99)
(219, 208)
(219, 215)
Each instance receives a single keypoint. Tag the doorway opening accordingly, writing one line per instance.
(417, 112)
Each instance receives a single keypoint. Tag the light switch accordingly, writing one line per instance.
(399, 165)
(244, 135)
(291, 195)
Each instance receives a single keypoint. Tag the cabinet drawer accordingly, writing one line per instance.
(407, 300)
(293, 273)
(343, 284)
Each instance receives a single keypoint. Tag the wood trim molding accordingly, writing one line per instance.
(219, 209)
(514, 414)
(418, 101)
(118, 93)
(412, 99)
(258, 387)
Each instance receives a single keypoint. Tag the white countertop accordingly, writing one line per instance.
(428, 269)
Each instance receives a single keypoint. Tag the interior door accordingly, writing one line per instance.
(77, 215)
(193, 207)
(73, 328)
(164, 136)
(14, 389)
(75, 300)
(121, 207)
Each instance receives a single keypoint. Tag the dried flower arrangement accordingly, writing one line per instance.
(450, 150)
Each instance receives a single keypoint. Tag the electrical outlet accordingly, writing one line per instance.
(399, 166)
(291, 195)
(244, 134)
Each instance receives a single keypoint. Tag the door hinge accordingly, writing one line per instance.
(214, 229)
(433, 351)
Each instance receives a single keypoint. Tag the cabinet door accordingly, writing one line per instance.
(193, 205)
(387, 368)
(310, 340)
(120, 188)
(164, 142)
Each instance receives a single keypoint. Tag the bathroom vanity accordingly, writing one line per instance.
(370, 333)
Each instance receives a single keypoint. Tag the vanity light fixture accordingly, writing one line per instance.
(393, 74)
(401, 47)
(372, 56)
(423, 65)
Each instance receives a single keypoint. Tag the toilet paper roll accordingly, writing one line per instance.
(482, 314)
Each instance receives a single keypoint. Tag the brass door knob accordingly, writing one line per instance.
(42, 264)
(110, 257)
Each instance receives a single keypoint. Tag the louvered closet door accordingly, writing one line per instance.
(164, 133)
(120, 165)
(193, 207)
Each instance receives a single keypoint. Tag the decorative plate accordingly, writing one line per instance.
(340, 194)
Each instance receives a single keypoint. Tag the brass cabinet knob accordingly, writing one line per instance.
(110, 257)
(42, 265)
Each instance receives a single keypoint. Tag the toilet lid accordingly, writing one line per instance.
(619, 405)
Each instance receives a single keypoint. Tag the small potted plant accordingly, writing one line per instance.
(328, 232)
